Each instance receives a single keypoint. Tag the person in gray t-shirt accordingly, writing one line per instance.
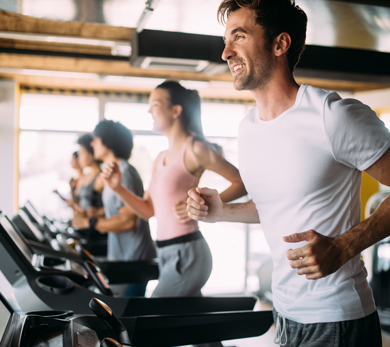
(136, 244)
(128, 236)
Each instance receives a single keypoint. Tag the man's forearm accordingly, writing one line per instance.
(241, 213)
(368, 232)
(117, 223)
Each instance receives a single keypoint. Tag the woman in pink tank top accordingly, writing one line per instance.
(185, 261)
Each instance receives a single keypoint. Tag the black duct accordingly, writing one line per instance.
(166, 50)
(163, 50)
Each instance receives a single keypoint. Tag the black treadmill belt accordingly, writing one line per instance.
(176, 330)
(130, 272)
(186, 305)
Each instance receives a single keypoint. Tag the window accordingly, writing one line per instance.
(132, 115)
(50, 126)
(44, 165)
(58, 112)
(222, 119)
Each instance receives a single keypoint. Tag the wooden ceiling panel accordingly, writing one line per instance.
(12, 22)
(55, 46)
(17, 61)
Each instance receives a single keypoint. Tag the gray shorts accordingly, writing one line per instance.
(363, 332)
(184, 268)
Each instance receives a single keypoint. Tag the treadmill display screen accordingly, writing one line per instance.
(34, 213)
(26, 219)
(8, 227)
(5, 315)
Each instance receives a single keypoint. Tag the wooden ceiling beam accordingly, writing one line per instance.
(55, 47)
(14, 22)
(123, 68)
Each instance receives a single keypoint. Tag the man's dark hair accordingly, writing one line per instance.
(276, 17)
(85, 141)
(116, 137)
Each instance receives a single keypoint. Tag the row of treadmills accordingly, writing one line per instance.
(55, 293)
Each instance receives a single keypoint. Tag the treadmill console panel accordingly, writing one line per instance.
(34, 214)
(42, 262)
(39, 262)
(34, 229)
(5, 318)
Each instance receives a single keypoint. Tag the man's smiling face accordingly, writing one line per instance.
(249, 60)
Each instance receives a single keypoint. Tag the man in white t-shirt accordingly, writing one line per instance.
(302, 151)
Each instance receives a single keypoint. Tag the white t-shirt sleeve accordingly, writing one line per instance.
(357, 137)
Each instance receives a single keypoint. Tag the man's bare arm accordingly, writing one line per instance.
(123, 221)
(324, 255)
(377, 226)
(205, 204)
(245, 212)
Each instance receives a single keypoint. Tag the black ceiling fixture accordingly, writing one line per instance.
(383, 3)
(345, 63)
(165, 50)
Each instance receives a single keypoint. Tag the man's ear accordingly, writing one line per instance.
(177, 110)
(282, 44)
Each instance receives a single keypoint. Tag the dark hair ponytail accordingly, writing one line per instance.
(189, 100)
(85, 141)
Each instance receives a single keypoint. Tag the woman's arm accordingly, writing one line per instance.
(98, 185)
(208, 158)
(69, 202)
(142, 207)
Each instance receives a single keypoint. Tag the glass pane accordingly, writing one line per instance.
(49, 9)
(260, 265)
(227, 245)
(222, 119)
(226, 240)
(230, 152)
(134, 116)
(58, 112)
(44, 165)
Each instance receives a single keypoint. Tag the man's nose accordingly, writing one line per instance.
(228, 53)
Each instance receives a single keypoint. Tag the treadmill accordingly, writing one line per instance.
(40, 242)
(42, 235)
(36, 287)
(59, 231)
(96, 243)
(101, 327)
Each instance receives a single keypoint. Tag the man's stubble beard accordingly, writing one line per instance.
(259, 78)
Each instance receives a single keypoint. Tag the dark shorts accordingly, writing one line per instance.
(363, 332)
